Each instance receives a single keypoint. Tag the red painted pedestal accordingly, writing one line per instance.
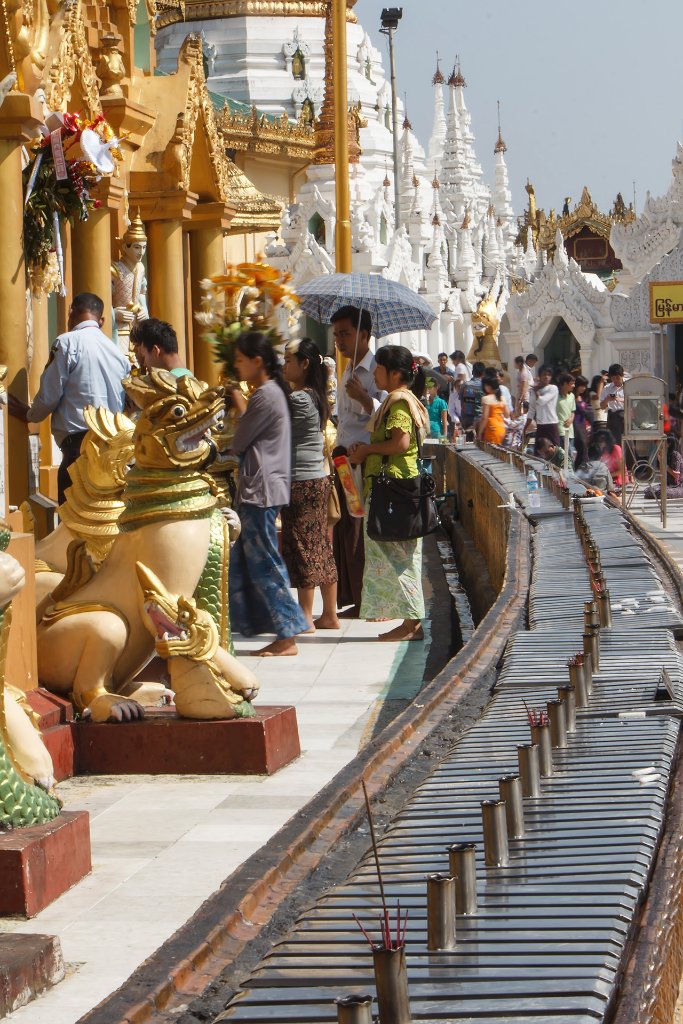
(163, 744)
(28, 965)
(39, 863)
(56, 714)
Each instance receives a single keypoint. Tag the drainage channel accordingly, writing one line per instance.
(564, 840)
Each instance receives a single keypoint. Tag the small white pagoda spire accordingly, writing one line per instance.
(530, 253)
(465, 271)
(453, 174)
(501, 195)
(438, 136)
(465, 119)
(407, 169)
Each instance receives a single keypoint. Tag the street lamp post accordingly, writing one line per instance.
(390, 18)
(341, 142)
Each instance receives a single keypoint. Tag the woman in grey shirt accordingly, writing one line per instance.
(306, 546)
(260, 598)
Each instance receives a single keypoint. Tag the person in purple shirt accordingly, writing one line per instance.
(258, 583)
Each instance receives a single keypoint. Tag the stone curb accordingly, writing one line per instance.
(184, 965)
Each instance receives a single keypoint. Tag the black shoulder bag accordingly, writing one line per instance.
(402, 509)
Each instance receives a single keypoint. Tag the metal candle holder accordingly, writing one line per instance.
(590, 614)
(462, 864)
(605, 609)
(540, 734)
(568, 695)
(354, 1010)
(496, 852)
(588, 674)
(510, 789)
(577, 680)
(440, 912)
(558, 723)
(529, 773)
(391, 982)
(591, 649)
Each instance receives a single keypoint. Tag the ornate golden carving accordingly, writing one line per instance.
(71, 57)
(584, 214)
(255, 133)
(200, 9)
(254, 211)
(110, 67)
(198, 106)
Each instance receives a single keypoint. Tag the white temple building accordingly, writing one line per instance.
(455, 242)
(458, 241)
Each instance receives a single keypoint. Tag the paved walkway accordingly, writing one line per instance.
(649, 515)
(161, 846)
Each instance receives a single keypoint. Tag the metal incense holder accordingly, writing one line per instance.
(568, 695)
(354, 1010)
(510, 789)
(588, 674)
(558, 723)
(605, 609)
(591, 647)
(594, 632)
(462, 864)
(590, 614)
(577, 680)
(440, 912)
(391, 982)
(540, 734)
(529, 772)
(496, 852)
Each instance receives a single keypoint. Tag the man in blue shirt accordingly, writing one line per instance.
(85, 368)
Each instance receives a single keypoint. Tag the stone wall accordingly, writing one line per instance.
(478, 498)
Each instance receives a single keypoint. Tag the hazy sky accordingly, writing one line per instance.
(591, 92)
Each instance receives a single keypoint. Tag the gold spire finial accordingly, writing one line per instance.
(386, 181)
(435, 180)
(438, 78)
(500, 146)
(458, 77)
(135, 232)
(466, 218)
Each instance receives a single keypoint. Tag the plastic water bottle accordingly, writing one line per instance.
(532, 490)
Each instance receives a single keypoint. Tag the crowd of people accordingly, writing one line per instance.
(298, 419)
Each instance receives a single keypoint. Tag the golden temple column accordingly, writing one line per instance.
(166, 276)
(91, 260)
(17, 118)
(341, 140)
(91, 247)
(207, 258)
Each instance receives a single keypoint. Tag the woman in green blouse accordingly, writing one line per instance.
(392, 580)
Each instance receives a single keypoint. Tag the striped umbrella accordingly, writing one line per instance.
(392, 306)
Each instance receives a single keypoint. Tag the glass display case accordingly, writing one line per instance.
(644, 400)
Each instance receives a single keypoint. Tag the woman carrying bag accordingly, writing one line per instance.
(392, 580)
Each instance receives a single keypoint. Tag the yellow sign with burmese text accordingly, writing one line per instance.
(666, 302)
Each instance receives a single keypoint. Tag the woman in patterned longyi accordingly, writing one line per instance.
(306, 546)
(392, 579)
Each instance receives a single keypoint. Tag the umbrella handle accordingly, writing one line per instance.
(355, 350)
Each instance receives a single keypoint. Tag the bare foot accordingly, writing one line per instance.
(410, 630)
(311, 629)
(278, 649)
(327, 622)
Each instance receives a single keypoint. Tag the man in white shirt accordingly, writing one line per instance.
(545, 408)
(613, 400)
(524, 380)
(357, 399)
(461, 370)
(505, 392)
